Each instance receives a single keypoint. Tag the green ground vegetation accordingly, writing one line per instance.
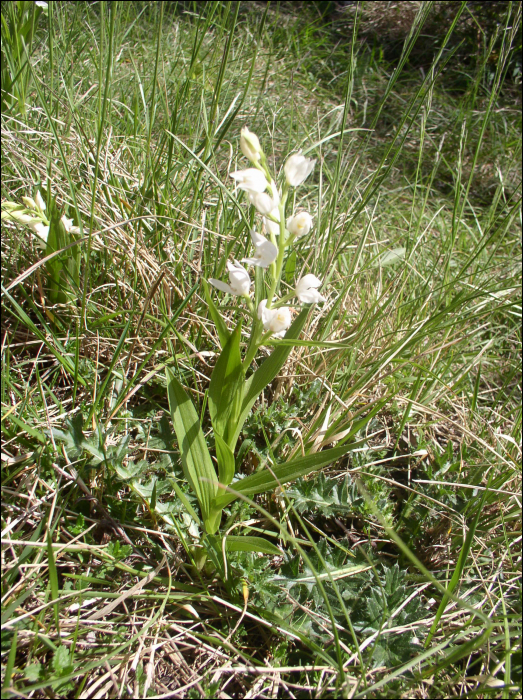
(399, 566)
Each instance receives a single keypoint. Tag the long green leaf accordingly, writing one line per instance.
(53, 579)
(183, 498)
(246, 543)
(226, 463)
(226, 385)
(269, 479)
(266, 373)
(196, 460)
(10, 662)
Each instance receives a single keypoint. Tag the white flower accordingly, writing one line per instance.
(10, 206)
(263, 203)
(265, 252)
(39, 201)
(250, 180)
(275, 320)
(306, 290)
(17, 215)
(239, 278)
(68, 225)
(29, 202)
(250, 145)
(300, 225)
(297, 169)
(273, 227)
(41, 231)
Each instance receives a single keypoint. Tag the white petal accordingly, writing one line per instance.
(280, 321)
(297, 169)
(312, 296)
(261, 200)
(222, 286)
(271, 226)
(239, 278)
(265, 252)
(308, 281)
(39, 228)
(39, 201)
(262, 310)
(275, 320)
(306, 290)
(68, 223)
(251, 180)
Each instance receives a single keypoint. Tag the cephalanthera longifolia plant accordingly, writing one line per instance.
(232, 395)
(53, 231)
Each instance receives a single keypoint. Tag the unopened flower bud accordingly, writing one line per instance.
(18, 216)
(263, 203)
(39, 201)
(29, 202)
(250, 145)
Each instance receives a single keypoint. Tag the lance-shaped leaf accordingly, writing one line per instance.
(269, 479)
(246, 543)
(226, 463)
(238, 543)
(196, 460)
(266, 373)
(225, 389)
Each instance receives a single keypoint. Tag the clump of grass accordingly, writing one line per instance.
(403, 573)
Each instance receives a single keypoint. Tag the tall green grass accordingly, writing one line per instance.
(400, 566)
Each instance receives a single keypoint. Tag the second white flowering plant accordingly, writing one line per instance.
(232, 393)
(52, 231)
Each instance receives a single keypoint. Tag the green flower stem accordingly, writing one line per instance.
(281, 248)
(250, 305)
(262, 165)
